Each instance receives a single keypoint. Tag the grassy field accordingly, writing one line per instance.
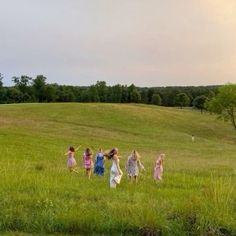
(39, 196)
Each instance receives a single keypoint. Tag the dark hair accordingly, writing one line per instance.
(88, 152)
(71, 149)
(112, 152)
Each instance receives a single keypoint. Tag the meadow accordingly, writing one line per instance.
(39, 196)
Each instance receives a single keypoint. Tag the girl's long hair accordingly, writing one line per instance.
(71, 149)
(136, 154)
(88, 152)
(111, 153)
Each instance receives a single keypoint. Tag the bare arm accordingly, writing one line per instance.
(118, 165)
(77, 148)
(141, 166)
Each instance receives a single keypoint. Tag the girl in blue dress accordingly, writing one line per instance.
(99, 163)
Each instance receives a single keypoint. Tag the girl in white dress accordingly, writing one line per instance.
(115, 173)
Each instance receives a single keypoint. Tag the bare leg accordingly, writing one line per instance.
(75, 171)
(89, 174)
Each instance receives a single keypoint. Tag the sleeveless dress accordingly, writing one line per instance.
(99, 164)
(71, 162)
(133, 166)
(115, 177)
(158, 170)
(87, 161)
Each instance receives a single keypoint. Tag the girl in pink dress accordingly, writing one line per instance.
(158, 169)
(88, 162)
(71, 162)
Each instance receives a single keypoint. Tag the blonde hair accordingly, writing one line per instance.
(136, 154)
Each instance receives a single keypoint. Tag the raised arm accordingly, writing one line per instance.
(77, 148)
(67, 153)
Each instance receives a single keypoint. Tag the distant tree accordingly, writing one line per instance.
(116, 93)
(64, 94)
(93, 94)
(39, 87)
(84, 95)
(134, 94)
(199, 102)
(144, 96)
(102, 90)
(156, 99)
(182, 100)
(50, 93)
(14, 95)
(1, 78)
(2, 90)
(23, 85)
(124, 94)
(224, 103)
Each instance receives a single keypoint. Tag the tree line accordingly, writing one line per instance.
(217, 99)
(27, 89)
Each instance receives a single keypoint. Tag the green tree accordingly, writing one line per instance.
(50, 93)
(144, 95)
(2, 90)
(14, 95)
(23, 85)
(102, 90)
(39, 87)
(93, 94)
(199, 102)
(116, 93)
(182, 100)
(224, 103)
(1, 78)
(156, 99)
(134, 94)
(124, 94)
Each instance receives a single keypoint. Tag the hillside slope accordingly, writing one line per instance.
(196, 195)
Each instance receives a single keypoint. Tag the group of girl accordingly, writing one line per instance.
(133, 165)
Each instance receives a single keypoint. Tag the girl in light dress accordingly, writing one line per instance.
(158, 169)
(88, 162)
(115, 172)
(71, 162)
(99, 163)
(134, 165)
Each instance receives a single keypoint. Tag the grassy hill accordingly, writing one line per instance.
(39, 195)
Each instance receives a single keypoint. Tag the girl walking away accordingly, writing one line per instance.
(115, 173)
(71, 162)
(158, 169)
(134, 165)
(88, 162)
(99, 163)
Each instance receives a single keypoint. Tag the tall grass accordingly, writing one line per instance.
(39, 196)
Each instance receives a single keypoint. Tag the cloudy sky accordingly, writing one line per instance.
(145, 42)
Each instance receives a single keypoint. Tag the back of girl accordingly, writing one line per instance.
(134, 165)
(88, 162)
(158, 169)
(71, 162)
(115, 173)
(99, 163)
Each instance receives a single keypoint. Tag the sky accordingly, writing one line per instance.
(145, 42)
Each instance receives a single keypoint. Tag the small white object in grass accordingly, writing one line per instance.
(193, 138)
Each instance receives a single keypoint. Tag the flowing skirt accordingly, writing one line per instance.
(99, 170)
(115, 178)
(71, 162)
(158, 173)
